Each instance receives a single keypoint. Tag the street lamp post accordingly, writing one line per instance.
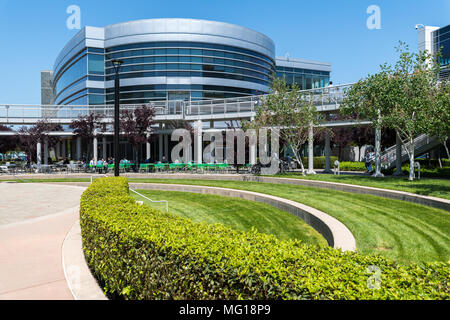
(116, 63)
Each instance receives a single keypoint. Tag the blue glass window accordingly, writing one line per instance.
(96, 64)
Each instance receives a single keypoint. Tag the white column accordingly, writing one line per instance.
(104, 146)
(46, 150)
(39, 154)
(252, 154)
(327, 153)
(252, 149)
(311, 151)
(398, 155)
(79, 148)
(95, 147)
(148, 147)
(378, 154)
(198, 146)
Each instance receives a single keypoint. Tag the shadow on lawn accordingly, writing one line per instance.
(430, 189)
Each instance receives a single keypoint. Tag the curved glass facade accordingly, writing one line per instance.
(69, 79)
(186, 59)
(170, 59)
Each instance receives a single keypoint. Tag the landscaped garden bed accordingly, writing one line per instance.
(137, 252)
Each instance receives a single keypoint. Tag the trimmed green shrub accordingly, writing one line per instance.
(352, 166)
(319, 162)
(425, 171)
(137, 252)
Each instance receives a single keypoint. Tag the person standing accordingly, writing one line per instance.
(368, 161)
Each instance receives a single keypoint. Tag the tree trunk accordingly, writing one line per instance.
(446, 149)
(299, 160)
(378, 154)
(136, 156)
(411, 159)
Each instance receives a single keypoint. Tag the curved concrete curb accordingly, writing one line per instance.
(335, 232)
(80, 280)
(434, 202)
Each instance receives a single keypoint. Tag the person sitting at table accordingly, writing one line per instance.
(105, 165)
(100, 164)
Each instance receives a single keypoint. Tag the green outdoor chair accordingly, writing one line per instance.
(160, 167)
(223, 167)
(144, 167)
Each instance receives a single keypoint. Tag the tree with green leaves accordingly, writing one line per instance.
(439, 124)
(365, 100)
(290, 111)
(399, 97)
(412, 86)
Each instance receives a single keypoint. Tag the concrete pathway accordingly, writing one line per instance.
(34, 221)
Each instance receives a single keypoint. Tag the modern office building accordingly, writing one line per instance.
(173, 59)
(307, 74)
(434, 39)
(168, 60)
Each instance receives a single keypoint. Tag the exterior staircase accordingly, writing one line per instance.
(422, 144)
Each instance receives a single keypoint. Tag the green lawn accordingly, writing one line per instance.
(236, 213)
(403, 231)
(426, 186)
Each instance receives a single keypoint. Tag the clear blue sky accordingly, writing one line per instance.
(33, 32)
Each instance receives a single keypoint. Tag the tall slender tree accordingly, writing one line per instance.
(292, 112)
(439, 125)
(399, 97)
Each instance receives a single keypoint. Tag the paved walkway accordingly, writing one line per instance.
(34, 221)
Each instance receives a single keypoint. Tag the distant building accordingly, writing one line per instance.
(168, 60)
(47, 92)
(434, 39)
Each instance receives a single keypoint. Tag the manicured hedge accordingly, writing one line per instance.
(352, 166)
(425, 171)
(140, 253)
(319, 162)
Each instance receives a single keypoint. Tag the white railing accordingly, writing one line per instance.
(153, 201)
(322, 97)
(389, 156)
